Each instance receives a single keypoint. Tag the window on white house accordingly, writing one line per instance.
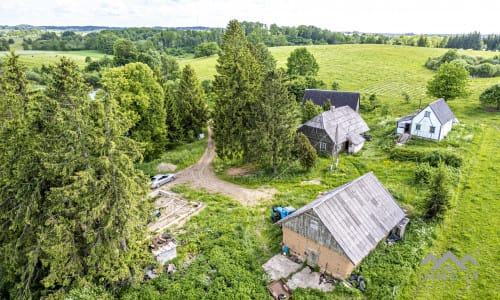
(322, 146)
(432, 129)
(418, 127)
(427, 114)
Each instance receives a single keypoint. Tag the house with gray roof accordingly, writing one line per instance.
(338, 129)
(336, 98)
(433, 122)
(341, 227)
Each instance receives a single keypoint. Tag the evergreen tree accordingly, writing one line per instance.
(304, 151)
(191, 103)
(173, 123)
(73, 205)
(439, 195)
(310, 110)
(138, 93)
(275, 125)
(263, 56)
(237, 87)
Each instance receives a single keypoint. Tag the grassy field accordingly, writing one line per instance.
(471, 227)
(472, 224)
(36, 58)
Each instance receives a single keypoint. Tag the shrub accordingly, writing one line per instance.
(484, 70)
(431, 156)
(438, 200)
(423, 173)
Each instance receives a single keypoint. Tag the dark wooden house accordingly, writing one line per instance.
(339, 124)
(341, 227)
(336, 98)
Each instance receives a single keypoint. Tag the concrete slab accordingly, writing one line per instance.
(280, 266)
(307, 279)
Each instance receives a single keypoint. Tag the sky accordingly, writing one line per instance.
(389, 16)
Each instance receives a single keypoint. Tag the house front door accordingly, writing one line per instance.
(407, 127)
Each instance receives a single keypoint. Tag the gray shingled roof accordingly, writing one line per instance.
(358, 214)
(338, 99)
(442, 111)
(350, 124)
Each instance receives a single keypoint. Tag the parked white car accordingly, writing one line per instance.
(161, 179)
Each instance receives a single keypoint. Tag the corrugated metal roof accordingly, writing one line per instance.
(357, 214)
(442, 111)
(337, 98)
(350, 124)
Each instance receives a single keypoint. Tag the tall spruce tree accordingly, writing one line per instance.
(237, 87)
(173, 123)
(273, 136)
(73, 205)
(191, 102)
(137, 92)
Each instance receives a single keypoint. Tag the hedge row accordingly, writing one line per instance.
(433, 157)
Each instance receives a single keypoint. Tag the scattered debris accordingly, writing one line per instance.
(173, 210)
(171, 269)
(164, 248)
(358, 281)
(279, 290)
(306, 278)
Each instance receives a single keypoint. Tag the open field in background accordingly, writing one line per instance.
(32, 58)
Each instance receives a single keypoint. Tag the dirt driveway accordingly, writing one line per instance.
(200, 175)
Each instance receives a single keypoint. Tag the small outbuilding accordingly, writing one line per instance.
(339, 127)
(336, 98)
(341, 227)
(433, 122)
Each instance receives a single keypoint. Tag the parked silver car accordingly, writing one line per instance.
(161, 179)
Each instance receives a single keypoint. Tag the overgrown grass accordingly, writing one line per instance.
(182, 156)
(471, 227)
(226, 250)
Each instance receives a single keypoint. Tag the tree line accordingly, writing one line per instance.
(185, 41)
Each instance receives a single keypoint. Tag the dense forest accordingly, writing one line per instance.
(179, 41)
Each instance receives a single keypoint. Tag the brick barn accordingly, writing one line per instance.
(341, 227)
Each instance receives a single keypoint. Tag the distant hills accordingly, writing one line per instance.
(88, 28)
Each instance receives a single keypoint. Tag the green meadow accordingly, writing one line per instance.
(32, 58)
(471, 225)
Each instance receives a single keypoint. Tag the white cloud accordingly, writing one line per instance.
(423, 16)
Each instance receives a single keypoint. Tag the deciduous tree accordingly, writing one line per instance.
(449, 82)
(302, 63)
(141, 96)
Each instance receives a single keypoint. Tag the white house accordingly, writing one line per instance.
(433, 122)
